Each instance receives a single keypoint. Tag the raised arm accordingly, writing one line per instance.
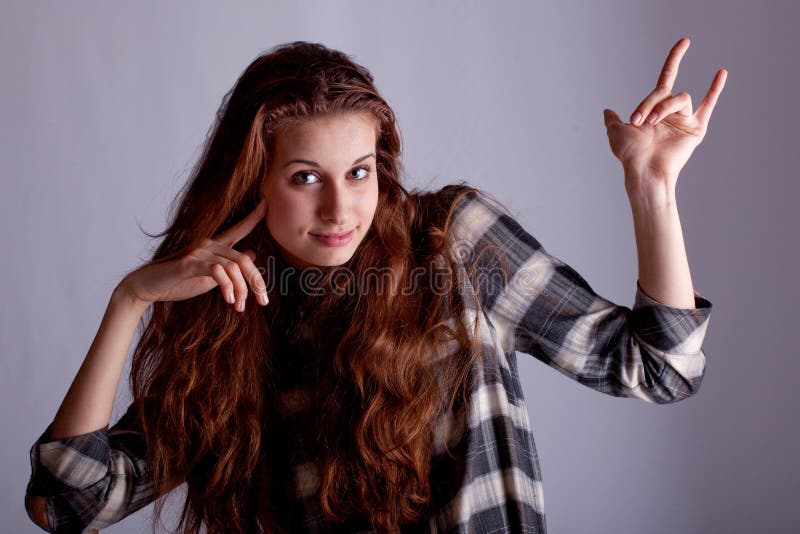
(541, 306)
(663, 133)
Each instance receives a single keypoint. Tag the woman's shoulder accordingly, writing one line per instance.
(444, 196)
(457, 204)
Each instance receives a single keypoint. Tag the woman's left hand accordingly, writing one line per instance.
(663, 131)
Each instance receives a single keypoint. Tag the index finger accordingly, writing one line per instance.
(670, 69)
(236, 232)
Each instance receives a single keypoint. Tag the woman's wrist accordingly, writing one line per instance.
(124, 297)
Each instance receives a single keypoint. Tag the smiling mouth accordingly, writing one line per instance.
(338, 236)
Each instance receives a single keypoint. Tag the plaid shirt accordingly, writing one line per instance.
(539, 306)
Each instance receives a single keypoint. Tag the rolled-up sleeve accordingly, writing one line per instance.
(92, 480)
(541, 306)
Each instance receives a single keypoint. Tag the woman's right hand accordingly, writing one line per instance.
(215, 263)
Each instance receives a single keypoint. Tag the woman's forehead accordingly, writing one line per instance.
(326, 122)
(341, 132)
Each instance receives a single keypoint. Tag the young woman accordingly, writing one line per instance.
(324, 351)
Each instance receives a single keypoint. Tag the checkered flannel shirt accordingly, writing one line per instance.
(539, 306)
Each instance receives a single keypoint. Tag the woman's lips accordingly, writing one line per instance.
(335, 240)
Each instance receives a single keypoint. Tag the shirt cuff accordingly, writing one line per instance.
(668, 328)
(67, 464)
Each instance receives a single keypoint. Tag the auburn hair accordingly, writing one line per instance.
(203, 375)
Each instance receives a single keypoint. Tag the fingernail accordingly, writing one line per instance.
(653, 117)
(637, 118)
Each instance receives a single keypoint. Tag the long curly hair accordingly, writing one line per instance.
(203, 375)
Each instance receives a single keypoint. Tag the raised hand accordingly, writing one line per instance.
(664, 131)
(215, 263)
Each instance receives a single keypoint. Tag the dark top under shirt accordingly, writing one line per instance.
(302, 360)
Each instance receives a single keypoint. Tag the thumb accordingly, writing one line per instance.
(610, 117)
(250, 254)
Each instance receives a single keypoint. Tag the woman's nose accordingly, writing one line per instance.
(335, 204)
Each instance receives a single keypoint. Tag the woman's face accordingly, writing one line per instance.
(322, 180)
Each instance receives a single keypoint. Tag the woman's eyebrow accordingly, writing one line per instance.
(315, 164)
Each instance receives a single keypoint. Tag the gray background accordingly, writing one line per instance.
(105, 106)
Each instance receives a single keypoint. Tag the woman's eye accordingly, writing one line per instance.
(366, 172)
(297, 177)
